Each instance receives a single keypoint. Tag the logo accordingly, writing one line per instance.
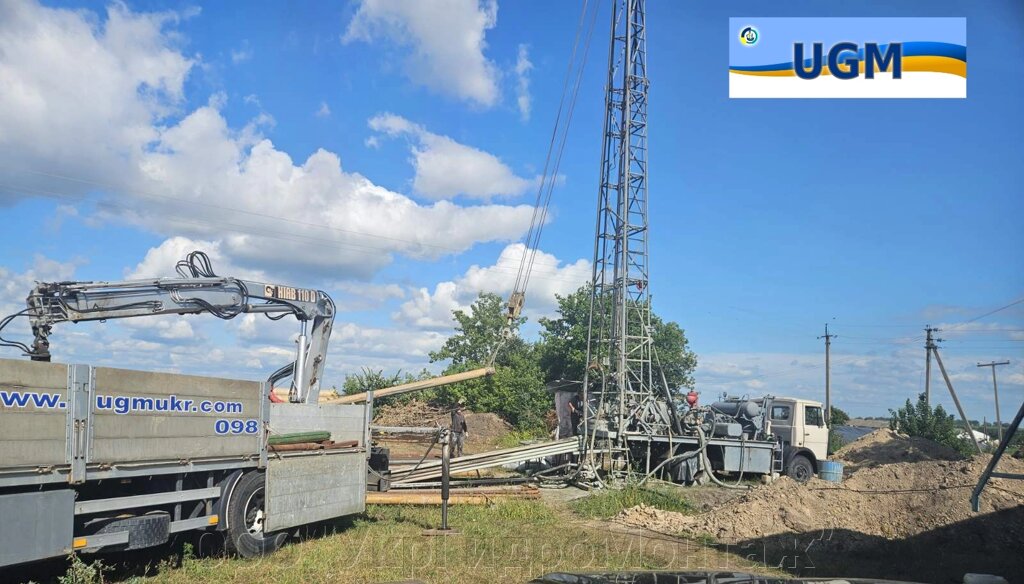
(749, 36)
(850, 58)
(844, 60)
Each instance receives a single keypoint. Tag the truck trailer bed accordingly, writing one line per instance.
(177, 445)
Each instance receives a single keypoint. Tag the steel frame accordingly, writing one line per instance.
(619, 381)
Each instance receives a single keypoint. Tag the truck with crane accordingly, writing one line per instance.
(101, 459)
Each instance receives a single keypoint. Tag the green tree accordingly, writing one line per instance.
(839, 417)
(934, 424)
(516, 391)
(478, 332)
(563, 347)
(370, 380)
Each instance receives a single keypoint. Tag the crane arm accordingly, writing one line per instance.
(201, 292)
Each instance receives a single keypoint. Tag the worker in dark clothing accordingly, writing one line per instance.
(459, 429)
(576, 413)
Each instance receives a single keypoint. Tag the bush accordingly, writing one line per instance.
(934, 424)
(835, 441)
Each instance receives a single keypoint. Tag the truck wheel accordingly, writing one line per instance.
(800, 469)
(246, 519)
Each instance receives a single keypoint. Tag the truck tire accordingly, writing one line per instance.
(246, 519)
(800, 469)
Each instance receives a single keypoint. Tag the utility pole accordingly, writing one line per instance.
(933, 349)
(995, 390)
(828, 377)
(929, 344)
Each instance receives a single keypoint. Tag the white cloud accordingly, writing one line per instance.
(69, 82)
(445, 40)
(117, 87)
(550, 276)
(446, 168)
(523, 68)
(324, 111)
(241, 54)
(862, 384)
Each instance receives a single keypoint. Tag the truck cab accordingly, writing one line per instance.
(800, 426)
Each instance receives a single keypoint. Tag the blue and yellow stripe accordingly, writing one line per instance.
(917, 56)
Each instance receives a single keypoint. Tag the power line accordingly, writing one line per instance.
(989, 313)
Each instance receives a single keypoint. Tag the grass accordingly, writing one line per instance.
(607, 503)
(511, 541)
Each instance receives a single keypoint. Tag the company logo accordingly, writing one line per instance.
(851, 57)
(749, 36)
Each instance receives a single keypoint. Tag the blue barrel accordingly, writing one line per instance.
(830, 471)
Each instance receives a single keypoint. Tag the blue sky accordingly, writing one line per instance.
(127, 136)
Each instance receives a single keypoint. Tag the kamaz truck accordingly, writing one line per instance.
(741, 436)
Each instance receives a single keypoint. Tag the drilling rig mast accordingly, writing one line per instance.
(620, 381)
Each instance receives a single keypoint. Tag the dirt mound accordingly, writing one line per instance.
(891, 501)
(486, 428)
(903, 497)
(884, 446)
(917, 509)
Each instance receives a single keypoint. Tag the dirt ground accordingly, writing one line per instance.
(902, 498)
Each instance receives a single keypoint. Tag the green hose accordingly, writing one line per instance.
(299, 438)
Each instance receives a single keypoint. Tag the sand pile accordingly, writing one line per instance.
(887, 447)
(906, 499)
(891, 501)
(899, 487)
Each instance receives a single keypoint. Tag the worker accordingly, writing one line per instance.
(459, 429)
(576, 413)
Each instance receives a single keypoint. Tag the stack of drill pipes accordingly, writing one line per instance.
(468, 483)
(490, 459)
(485, 460)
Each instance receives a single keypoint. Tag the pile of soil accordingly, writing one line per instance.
(486, 430)
(887, 447)
(893, 501)
(908, 497)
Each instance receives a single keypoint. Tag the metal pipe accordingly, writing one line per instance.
(298, 375)
(414, 386)
(989, 470)
(445, 477)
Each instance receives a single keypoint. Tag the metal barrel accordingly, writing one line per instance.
(830, 471)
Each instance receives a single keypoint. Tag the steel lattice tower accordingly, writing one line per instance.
(620, 374)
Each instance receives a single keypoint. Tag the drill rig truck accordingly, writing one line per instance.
(105, 459)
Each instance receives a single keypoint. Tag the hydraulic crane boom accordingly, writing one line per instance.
(197, 291)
